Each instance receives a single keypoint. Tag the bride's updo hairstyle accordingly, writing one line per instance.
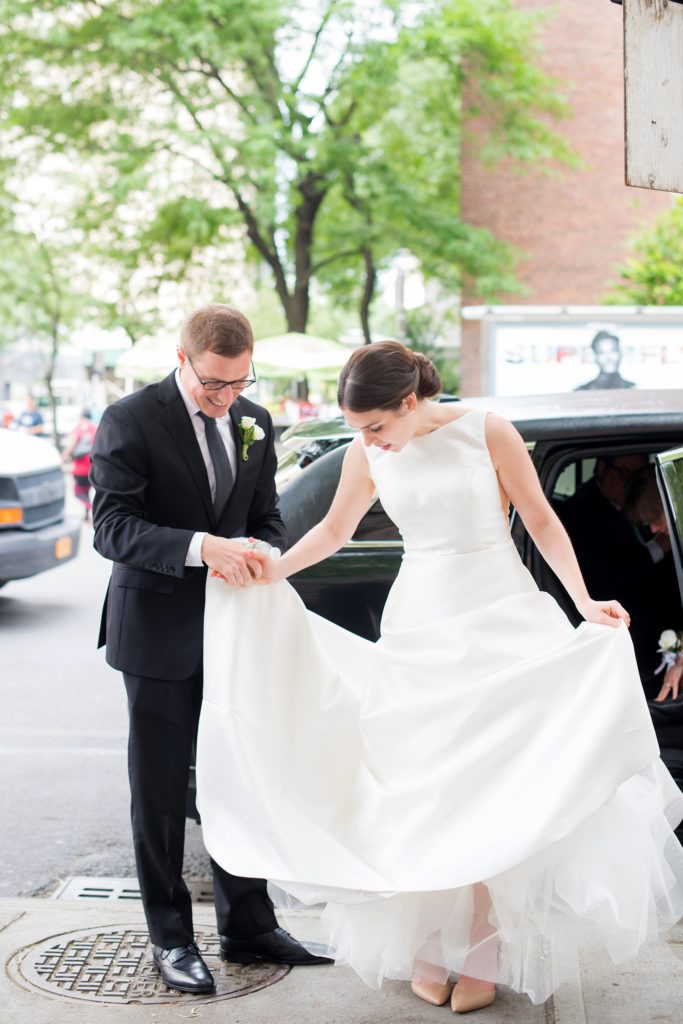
(381, 375)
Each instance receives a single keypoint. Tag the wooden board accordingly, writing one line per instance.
(653, 66)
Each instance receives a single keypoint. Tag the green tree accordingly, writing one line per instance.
(653, 275)
(325, 133)
(44, 288)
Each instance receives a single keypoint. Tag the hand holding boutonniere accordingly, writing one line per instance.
(249, 431)
(670, 646)
(671, 650)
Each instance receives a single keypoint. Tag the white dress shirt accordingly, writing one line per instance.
(193, 556)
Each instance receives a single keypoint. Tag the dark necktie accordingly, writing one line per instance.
(222, 469)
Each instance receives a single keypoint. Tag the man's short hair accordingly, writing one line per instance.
(220, 329)
(605, 336)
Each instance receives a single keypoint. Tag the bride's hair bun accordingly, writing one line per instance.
(429, 383)
(381, 375)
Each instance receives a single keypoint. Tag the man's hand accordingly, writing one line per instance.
(231, 560)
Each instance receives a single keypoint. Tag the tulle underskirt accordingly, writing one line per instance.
(617, 878)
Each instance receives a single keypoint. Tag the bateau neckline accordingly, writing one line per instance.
(449, 423)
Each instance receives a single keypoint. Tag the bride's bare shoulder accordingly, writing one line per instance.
(356, 457)
(498, 426)
(502, 437)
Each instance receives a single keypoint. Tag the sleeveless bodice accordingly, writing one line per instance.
(441, 489)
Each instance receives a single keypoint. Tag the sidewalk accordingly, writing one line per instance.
(648, 989)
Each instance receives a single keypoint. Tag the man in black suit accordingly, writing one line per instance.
(172, 487)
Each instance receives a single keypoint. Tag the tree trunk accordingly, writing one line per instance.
(368, 294)
(296, 310)
(312, 190)
(47, 380)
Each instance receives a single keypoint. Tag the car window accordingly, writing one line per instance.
(571, 478)
(671, 464)
(670, 474)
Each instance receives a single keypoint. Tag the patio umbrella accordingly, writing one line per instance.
(148, 359)
(296, 355)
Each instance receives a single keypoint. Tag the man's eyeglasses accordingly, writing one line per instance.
(218, 385)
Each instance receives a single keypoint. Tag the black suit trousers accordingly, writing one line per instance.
(163, 717)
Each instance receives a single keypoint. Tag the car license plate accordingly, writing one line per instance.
(63, 547)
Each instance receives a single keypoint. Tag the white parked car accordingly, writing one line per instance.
(35, 533)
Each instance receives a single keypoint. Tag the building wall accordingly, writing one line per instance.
(574, 228)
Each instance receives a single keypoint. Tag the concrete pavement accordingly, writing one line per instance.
(646, 990)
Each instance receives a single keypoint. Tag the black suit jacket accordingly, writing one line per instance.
(151, 495)
(615, 564)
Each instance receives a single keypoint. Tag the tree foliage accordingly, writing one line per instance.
(325, 133)
(653, 275)
(43, 291)
(424, 327)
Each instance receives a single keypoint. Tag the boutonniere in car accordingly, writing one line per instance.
(670, 646)
(249, 432)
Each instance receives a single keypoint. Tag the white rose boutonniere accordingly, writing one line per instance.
(249, 432)
(670, 646)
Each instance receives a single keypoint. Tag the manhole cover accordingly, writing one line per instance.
(115, 966)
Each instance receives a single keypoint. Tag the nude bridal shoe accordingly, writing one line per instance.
(465, 999)
(434, 992)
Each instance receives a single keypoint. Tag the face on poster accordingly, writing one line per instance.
(547, 358)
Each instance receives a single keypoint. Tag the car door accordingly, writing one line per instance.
(670, 479)
(666, 716)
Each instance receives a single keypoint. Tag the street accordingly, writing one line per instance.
(63, 733)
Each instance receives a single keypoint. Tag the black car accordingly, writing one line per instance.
(565, 435)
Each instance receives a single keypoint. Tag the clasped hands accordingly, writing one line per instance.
(236, 565)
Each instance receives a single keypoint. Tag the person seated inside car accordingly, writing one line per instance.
(645, 510)
(616, 523)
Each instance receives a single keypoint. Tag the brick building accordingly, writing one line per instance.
(573, 228)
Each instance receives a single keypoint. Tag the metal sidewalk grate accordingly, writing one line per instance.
(122, 889)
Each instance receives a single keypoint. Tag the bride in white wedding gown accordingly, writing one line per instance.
(480, 787)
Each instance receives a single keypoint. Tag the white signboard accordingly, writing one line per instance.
(548, 358)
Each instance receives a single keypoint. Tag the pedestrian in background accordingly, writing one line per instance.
(78, 451)
(31, 420)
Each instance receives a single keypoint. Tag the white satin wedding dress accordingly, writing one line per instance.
(483, 738)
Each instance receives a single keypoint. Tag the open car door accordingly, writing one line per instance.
(670, 480)
(666, 716)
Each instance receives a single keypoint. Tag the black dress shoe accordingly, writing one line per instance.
(183, 969)
(276, 947)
